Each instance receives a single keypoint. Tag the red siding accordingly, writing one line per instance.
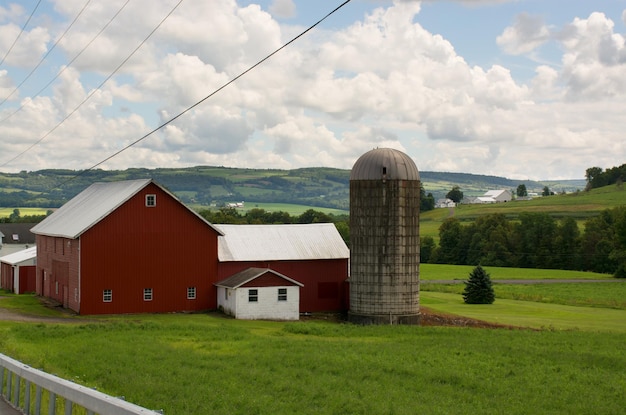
(324, 280)
(57, 270)
(268, 280)
(6, 276)
(165, 248)
(27, 279)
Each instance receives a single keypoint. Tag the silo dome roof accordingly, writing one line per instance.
(394, 164)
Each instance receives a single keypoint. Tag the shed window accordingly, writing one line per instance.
(253, 295)
(282, 294)
(151, 200)
(147, 294)
(107, 296)
(191, 293)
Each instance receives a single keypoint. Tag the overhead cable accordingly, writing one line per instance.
(20, 33)
(95, 89)
(67, 65)
(210, 95)
(46, 55)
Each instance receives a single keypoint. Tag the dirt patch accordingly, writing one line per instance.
(11, 315)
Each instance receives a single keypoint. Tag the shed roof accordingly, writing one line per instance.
(495, 193)
(396, 164)
(280, 242)
(20, 256)
(247, 275)
(91, 206)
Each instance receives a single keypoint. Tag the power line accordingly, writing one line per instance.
(68, 65)
(21, 31)
(210, 95)
(46, 55)
(95, 89)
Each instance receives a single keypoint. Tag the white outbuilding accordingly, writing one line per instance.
(259, 294)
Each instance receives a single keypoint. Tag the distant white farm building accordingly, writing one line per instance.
(445, 203)
(494, 196)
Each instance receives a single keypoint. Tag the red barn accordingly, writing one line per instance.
(127, 247)
(314, 255)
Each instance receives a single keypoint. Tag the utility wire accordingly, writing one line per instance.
(208, 96)
(67, 66)
(46, 55)
(21, 31)
(95, 89)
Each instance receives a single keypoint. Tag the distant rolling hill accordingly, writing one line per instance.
(215, 186)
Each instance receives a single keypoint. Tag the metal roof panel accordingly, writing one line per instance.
(20, 256)
(280, 242)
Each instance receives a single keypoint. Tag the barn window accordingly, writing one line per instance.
(151, 200)
(107, 296)
(282, 294)
(253, 295)
(191, 293)
(147, 294)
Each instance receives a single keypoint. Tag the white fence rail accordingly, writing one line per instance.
(18, 382)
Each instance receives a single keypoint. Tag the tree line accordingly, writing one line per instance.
(533, 240)
(596, 177)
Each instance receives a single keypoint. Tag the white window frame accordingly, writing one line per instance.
(150, 200)
(253, 295)
(147, 294)
(282, 294)
(107, 295)
(191, 293)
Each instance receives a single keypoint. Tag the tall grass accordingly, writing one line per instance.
(203, 364)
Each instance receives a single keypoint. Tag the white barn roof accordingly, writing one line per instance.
(280, 242)
(18, 257)
(91, 206)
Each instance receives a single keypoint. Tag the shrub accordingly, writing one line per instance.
(478, 289)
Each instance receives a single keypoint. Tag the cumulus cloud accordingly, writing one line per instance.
(527, 33)
(381, 80)
(283, 8)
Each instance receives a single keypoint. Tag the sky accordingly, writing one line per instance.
(530, 89)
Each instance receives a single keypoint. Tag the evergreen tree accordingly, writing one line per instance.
(478, 289)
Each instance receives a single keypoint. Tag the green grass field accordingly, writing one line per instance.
(6, 212)
(569, 360)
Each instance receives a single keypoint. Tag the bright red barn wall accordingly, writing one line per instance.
(324, 280)
(165, 247)
(27, 278)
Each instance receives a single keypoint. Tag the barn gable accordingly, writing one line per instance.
(109, 250)
(91, 206)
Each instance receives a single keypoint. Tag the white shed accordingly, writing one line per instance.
(17, 271)
(259, 294)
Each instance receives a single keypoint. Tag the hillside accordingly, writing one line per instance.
(207, 185)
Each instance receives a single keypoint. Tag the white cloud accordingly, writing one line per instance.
(382, 80)
(283, 8)
(527, 33)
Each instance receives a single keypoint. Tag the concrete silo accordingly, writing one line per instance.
(384, 238)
